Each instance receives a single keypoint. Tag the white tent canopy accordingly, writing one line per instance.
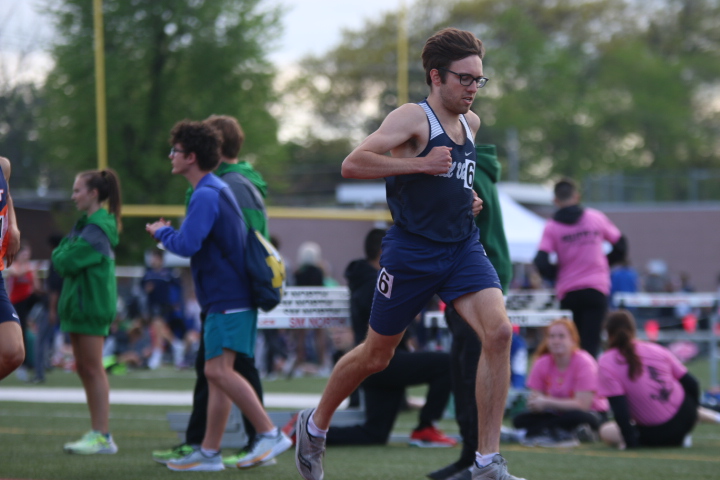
(523, 229)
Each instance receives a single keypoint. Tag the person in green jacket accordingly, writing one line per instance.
(87, 306)
(465, 349)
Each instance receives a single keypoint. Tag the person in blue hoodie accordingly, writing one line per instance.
(214, 236)
(249, 189)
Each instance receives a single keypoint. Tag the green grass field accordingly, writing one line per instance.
(32, 435)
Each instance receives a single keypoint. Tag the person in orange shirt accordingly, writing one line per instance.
(22, 289)
(12, 351)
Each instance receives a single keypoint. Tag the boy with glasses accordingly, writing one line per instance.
(433, 248)
(214, 235)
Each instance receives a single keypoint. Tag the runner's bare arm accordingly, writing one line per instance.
(404, 133)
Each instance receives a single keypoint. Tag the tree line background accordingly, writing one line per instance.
(599, 90)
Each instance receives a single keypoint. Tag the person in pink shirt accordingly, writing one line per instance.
(563, 398)
(582, 271)
(654, 399)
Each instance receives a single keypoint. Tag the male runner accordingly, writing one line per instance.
(432, 248)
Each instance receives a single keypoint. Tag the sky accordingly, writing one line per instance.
(315, 26)
(310, 27)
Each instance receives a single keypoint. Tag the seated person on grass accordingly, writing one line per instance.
(654, 399)
(563, 404)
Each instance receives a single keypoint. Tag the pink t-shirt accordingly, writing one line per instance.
(581, 261)
(656, 395)
(581, 375)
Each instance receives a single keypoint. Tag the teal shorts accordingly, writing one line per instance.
(232, 331)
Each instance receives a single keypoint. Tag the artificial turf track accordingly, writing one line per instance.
(32, 435)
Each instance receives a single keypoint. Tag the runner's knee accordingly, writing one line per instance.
(498, 337)
(12, 358)
(377, 360)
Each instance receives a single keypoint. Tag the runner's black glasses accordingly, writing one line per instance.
(466, 79)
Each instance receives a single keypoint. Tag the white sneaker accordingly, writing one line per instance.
(178, 348)
(197, 462)
(265, 448)
(22, 374)
(155, 360)
(92, 443)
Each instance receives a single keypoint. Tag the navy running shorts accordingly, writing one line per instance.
(7, 311)
(413, 269)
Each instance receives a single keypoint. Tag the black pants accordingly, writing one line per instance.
(588, 307)
(671, 433)
(245, 366)
(385, 393)
(274, 348)
(464, 357)
(536, 423)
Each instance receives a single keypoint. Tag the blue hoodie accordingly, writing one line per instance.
(213, 235)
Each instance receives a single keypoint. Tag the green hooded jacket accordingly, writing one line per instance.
(253, 209)
(86, 261)
(489, 220)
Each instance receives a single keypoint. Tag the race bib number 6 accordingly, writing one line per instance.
(469, 173)
(385, 283)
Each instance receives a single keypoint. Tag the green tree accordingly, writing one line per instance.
(20, 105)
(590, 86)
(312, 175)
(166, 60)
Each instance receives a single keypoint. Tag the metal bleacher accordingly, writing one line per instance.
(325, 307)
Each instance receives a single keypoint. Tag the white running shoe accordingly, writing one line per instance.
(195, 461)
(265, 448)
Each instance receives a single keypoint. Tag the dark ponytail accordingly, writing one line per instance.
(620, 326)
(107, 184)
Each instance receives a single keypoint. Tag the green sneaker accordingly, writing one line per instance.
(175, 453)
(233, 460)
(91, 443)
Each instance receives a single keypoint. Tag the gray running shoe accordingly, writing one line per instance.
(309, 450)
(464, 475)
(497, 470)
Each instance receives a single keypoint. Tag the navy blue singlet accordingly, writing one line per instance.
(437, 207)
